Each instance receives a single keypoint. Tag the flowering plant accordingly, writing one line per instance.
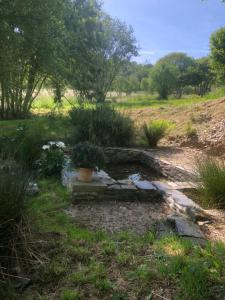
(52, 159)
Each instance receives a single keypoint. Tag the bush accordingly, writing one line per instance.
(86, 155)
(155, 131)
(102, 125)
(13, 186)
(24, 145)
(211, 178)
(52, 159)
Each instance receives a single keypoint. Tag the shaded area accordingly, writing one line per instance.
(125, 170)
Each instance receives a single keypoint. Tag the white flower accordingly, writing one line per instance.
(52, 143)
(60, 145)
(46, 147)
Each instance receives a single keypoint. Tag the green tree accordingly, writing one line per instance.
(217, 43)
(163, 79)
(31, 46)
(96, 61)
(183, 63)
(201, 76)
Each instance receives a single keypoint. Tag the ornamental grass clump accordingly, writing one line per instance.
(155, 131)
(14, 183)
(211, 179)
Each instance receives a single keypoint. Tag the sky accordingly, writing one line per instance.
(164, 26)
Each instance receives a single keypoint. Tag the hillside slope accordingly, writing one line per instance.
(207, 118)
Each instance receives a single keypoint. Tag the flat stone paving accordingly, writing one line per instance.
(113, 216)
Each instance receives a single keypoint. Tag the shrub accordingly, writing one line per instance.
(23, 144)
(102, 125)
(155, 131)
(13, 187)
(191, 132)
(52, 159)
(211, 178)
(86, 155)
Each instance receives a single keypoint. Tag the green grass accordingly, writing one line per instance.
(53, 127)
(142, 101)
(83, 264)
(211, 179)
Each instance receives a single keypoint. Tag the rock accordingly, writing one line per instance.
(179, 201)
(145, 185)
(197, 214)
(162, 186)
(125, 182)
(184, 227)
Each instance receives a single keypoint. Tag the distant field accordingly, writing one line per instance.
(45, 103)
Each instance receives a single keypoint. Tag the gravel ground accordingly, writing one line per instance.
(113, 216)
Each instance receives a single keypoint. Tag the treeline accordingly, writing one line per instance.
(177, 73)
(75, 44)
(66, 43)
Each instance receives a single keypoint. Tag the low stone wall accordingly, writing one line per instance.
(158, 166)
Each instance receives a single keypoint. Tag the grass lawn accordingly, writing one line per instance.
(142, 101)
(78, 263)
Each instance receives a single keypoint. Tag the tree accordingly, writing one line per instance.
(183, 63)
(95, 62)
(201, 75)
(31, 47)
(217, 43)
(163, 79)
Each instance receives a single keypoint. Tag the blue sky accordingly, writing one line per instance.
(163, 26)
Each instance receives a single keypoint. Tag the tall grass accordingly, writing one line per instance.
(155, 131)
(211, 175)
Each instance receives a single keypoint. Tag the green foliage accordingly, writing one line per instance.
(155, 131)
(132, 78)
(52, 159)
(163, 78)
(13, 187)
(25, 63)
(183, 64)
(102, 125)
(70, 295)
(217, 43)
(106, 45)
(86, 155)
(24, 144)
(211, 175)
(191, 131)
(79, 266)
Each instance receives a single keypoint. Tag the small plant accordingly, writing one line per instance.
(155, 131)
(52, 159)
(86, 155)
(211, 178)
(102, 125)
(191, 131)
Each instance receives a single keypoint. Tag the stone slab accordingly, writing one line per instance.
(145, 185)
(88, 187)
(177, 185)
(125, 182)
(181, 200)
(162, 186)
(185, 228)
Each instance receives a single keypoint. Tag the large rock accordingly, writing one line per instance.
(186, 229)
